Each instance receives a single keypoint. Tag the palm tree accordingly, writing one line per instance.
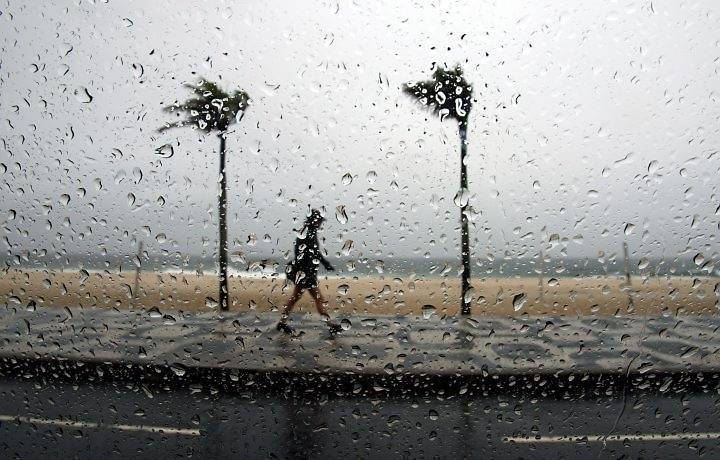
(212, 110)
(449, 95)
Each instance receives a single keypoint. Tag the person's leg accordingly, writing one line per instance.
(321, 304)
(291, 301)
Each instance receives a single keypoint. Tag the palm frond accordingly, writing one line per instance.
(211, 108)
(447, 94)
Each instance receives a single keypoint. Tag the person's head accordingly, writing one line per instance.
(314, 219)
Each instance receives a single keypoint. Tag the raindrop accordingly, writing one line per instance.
(165, 151)
(629, 228)
(371, 177)
(643, 263)
(469, 295)
(519, 301)
(428, 311)
(138, 70)
(65, 199)
(458, 107)
(347, 179)
(699, 259)
(347, 247)
(161, 238)
(63, 69)
(83, 95)
(211, 303)
(137, 175)
(343, 289)
(130, 199)
(462, 197)
(178, 369)
(120, 176)
(340, 214)
(653, 167)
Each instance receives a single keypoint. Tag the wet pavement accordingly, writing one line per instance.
(43, 416)
(383, 345)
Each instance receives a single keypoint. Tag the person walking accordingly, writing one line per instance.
(302, 272)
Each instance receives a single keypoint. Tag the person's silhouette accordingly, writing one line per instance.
(302, 271)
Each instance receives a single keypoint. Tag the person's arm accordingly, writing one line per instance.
(326, 264)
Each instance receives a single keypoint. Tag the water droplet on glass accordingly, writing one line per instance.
(629, 228)
(347, 179)
(469, 295)
(137, 175)
(340, 214)
(165, 151)
(428, 311)
(347, 247)
(211, 303)
(178, 369)
(653, 167)
(519, 301)
(83, 95)
(461, 197)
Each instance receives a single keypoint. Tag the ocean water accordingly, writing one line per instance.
(424, 267)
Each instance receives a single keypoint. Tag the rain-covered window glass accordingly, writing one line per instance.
(297, 229)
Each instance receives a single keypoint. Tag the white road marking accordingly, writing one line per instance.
(612, 438)
(109, 426)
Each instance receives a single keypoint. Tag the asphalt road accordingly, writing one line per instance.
(120, 419)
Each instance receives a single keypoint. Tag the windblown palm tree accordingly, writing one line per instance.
(449, 95)
(212, 110)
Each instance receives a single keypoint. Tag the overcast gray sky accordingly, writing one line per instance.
(589, 116)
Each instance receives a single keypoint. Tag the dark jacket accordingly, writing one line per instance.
(308, 256)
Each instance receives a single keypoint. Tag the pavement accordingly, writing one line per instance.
(43, 417)
(377, 345)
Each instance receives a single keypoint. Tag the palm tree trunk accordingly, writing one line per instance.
(222, 223)
(464, 233)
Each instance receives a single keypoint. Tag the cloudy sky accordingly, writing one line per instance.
(596, 122)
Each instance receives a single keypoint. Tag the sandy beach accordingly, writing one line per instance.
(365, 295)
